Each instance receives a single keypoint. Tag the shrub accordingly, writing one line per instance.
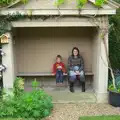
(114, 40)
(18, 87)
(35, 104)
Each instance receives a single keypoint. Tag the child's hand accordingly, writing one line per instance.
(59, 67)
(77, 72)
(53, 74)
(64, 73)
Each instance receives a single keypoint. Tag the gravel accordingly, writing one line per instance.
(74, 111)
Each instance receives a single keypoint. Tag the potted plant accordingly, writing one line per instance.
(114, 90)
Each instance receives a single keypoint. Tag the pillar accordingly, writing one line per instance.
(102, 76)
(8, 61)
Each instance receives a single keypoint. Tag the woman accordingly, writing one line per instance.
(76, 69)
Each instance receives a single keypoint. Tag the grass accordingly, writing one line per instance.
(17, 119)
(113, 117)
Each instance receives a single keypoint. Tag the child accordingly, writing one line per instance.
(59, 70)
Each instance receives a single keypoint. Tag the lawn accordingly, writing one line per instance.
(115, 117)
(17, 119)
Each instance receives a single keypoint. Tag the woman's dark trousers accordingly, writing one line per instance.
(72, 80)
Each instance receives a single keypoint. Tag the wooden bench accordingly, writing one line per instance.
(45, 74)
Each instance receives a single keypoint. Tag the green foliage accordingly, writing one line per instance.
(114, 40)
(5, 2)
(81, 3)
(100, 3)
(111, 88)
(35, 84)
(114, 47)
(18, 86)
(34, 104)
(102, 117)
(8, 2)
(5, 21)
(117, 83)
(59, 2)
(24, 1)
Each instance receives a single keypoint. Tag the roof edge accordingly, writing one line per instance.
(109, 2)
(114, 4)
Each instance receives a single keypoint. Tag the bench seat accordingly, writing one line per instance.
(45, 74)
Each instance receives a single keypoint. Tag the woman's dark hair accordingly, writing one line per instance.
(59, 56)
(75, 48)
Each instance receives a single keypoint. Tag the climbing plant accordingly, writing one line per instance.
(4, 3)
(99, 3)
(81, 3)
(59, 2)
(5, 22)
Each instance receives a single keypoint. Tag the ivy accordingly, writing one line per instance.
(4, 3)
(24, 1)
(59, 2)
(100, 3)
(5, 22)
(81, 3)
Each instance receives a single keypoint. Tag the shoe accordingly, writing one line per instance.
(72, 89)
(83, 89)
(57, 84)
(61, 84)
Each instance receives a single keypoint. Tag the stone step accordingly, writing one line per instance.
(62, 95)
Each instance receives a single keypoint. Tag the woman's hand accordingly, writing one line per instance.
(77, 72)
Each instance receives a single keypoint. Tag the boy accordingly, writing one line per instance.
(59, 70)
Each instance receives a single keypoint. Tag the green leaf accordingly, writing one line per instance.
(81, 3)
(99, 3)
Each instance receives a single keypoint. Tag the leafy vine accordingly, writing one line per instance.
(5, 21)
(59, 2)
(100, 3)
(81, 3)
(4, 3)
